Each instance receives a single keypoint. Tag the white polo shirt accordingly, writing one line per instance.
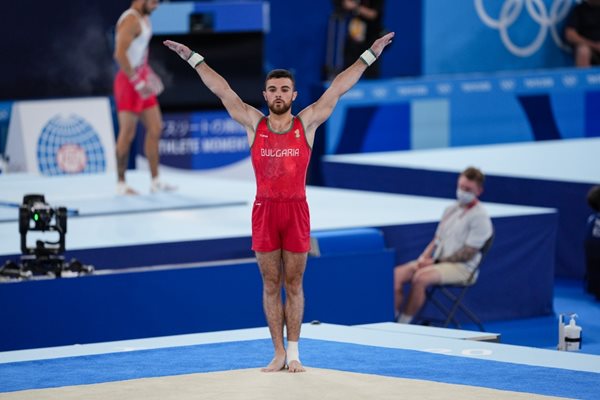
(462, 226)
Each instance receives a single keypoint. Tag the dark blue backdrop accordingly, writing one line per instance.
(65, 49)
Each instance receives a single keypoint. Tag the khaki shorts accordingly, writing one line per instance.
(454, 273)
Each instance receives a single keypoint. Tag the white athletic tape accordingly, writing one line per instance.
(368, 57)
(195, 60)
(137, 81)
(292, 353)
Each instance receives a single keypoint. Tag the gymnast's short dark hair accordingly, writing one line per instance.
(280, 73)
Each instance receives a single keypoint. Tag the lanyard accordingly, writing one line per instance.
(464, 211)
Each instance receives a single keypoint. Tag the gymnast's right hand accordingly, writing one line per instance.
(182, 50)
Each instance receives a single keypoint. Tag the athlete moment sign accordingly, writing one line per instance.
(205, 141)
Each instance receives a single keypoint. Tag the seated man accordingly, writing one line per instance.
(454, 252)
(582, 31)
(592, 244)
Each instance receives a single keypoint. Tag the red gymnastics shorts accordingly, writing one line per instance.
(280, 224)
(127, 98)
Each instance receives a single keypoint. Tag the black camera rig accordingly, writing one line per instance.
(46, 257)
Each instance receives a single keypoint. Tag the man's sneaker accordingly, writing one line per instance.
(124, 190)
(160, 186)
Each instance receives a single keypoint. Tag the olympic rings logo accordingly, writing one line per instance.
(547, 20)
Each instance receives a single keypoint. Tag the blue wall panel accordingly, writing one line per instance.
(567, 197)
(155, 303)
(517, 276)
(403, 56)
(592, 114)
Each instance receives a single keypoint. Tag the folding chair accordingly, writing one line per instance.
(448, 298)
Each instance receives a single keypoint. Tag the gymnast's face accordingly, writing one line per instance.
(279, 95)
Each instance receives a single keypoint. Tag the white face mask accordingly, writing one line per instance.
(464, 197)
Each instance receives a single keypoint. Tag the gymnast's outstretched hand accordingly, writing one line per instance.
(181, 49)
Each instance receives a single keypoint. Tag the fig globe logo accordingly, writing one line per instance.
(69, 145)
(547, 20)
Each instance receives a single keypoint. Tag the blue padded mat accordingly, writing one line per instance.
(315, 353)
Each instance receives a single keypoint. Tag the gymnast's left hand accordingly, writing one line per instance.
(181, 49)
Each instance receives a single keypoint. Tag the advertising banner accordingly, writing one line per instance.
(494, 35)
(59, 137)
(403, 114)
(5, 110)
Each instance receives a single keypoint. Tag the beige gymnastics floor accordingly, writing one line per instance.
(249, 384)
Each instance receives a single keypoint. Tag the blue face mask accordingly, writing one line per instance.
(464, 197)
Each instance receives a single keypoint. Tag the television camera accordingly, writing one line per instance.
(46, 257)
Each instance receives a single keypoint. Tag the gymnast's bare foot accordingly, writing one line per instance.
(124, 190)
(276, 364)
(295, 366)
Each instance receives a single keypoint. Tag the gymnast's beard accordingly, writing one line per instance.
(280, 109)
